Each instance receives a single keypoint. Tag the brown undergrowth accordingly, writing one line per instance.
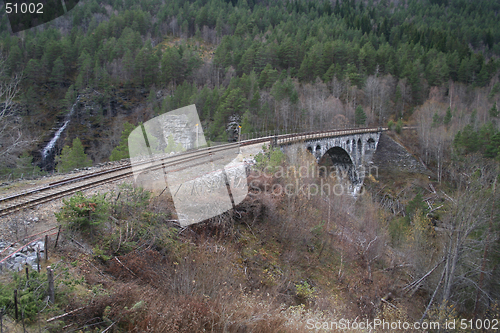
(270, 266)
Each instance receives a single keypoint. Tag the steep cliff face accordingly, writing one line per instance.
(391, 155)
(178, 128)
(97, 119)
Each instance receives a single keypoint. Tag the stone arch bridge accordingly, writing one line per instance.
(347, 152)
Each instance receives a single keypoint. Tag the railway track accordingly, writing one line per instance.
(58, 189)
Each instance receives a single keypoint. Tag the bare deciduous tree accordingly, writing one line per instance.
(11, 136)
(469, 215)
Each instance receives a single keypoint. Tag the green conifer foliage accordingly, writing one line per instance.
(447, 116)
(121, 151)
(493, 112)
(57, 75)
(359, 116)
(73, 157)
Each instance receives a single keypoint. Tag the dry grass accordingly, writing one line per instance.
(241, 272)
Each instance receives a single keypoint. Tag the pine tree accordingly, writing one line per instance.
(84, 214)
(121, 151)
(128, 64)
(359, 116)
(57, 75)
(447, 117)
(24, 166)
(70, 96)
(246, 124)
(170, 66)
(436, 120)
(73, 157)
(492, 149)
(14, 60)
(32, 72)
(493, 112)
(464, 71)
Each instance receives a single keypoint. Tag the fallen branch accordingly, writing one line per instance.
(125, 266)
(417, 282)
(392, 305)
(64, 315)
(97, 269)
(434, 209)
(108, 327)
(78, 243)
(433, 295)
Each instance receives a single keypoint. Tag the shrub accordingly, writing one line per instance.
(121, 151)
(390, 125)
(84, 214)
(399, 126)
(305, 292)
(31, 294)
(129, 200)
(270, 159)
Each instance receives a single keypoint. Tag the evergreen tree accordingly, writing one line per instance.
(467, 139)
(170, 66)
(493, 112)
(128, 64)
(14, 60)
(70, 96)
(32, 72)
(359, 115)
(492, 149)
(246, 124)
(447, 117)
(57, 75)
(436, 120)
(73, 157)
(121, 151)
(267, 77)
(84, 214)
(25, 168)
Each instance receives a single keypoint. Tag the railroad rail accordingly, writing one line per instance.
(58, 189)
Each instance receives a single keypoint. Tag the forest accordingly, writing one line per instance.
(282, 67)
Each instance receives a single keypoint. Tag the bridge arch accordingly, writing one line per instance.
(337, 159)
(346, 154)
(371, 143)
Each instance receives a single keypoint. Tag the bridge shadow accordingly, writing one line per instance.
(337, 164)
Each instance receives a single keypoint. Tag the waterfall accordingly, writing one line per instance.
(50, 146)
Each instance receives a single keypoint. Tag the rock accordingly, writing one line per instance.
(20, 260)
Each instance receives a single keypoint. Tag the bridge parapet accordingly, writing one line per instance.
(350, 152)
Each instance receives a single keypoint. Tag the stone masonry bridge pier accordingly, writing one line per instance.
(349, 153)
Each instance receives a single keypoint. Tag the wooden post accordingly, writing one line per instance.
(57, 238)
(46, 248)
(27, 274)
(50, 280)
(22, 319)
(15, 304)
(38, 259)
(1, 320)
